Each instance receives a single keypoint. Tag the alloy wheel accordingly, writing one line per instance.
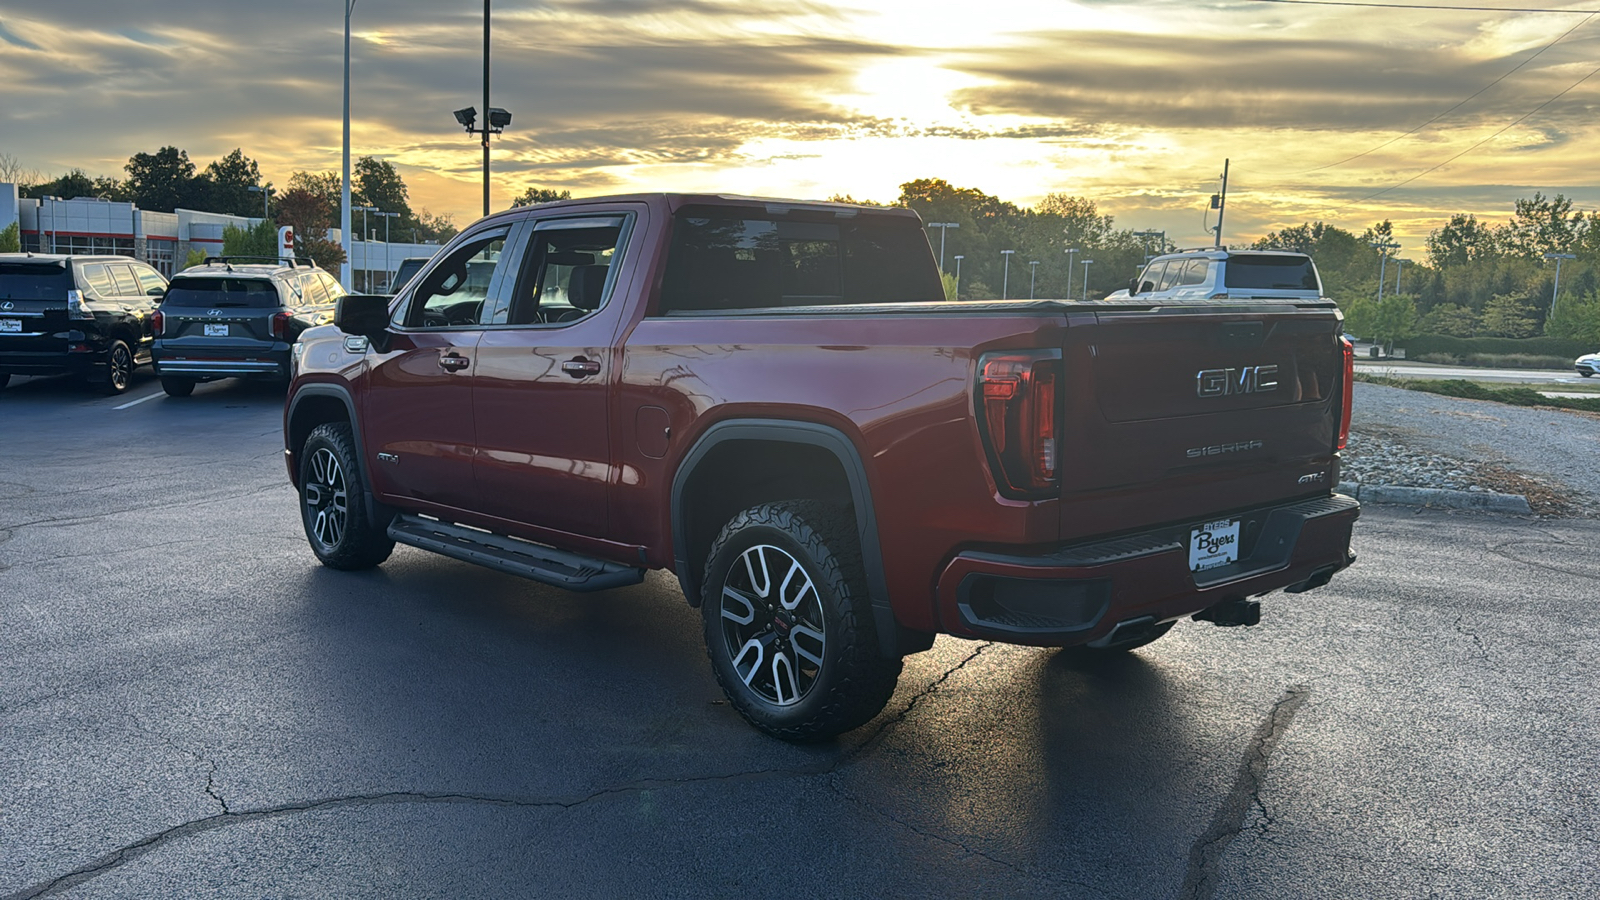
(326, 499)
(120, 367)
(773, 624)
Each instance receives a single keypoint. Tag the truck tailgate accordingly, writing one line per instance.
(1196, 411)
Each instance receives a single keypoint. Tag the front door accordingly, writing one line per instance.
(542, 389)
(420, 439)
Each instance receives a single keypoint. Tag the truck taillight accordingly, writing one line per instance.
(1349, 392)
(1018, 400)
(157, 322)
(280, 325)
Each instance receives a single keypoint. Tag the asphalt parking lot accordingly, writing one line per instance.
(193, 707)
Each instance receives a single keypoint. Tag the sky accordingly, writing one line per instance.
(1325, 113)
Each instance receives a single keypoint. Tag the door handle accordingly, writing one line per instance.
(578, 367)
(453, 363)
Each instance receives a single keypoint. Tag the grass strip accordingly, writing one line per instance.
(1469, 390)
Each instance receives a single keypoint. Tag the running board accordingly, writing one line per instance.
(546, 565)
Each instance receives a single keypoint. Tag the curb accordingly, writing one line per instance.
(1488, 501)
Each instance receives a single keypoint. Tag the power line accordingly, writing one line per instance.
(1462, 103)
(1504, 9)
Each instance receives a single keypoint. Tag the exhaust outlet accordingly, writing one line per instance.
(1231, 612)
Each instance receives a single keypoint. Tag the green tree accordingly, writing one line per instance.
(1460, 241)
(230, 180)
(160, 182)
(1511, 316)
(195, 258)
(540, 195)
(1394, 319)
(11, 239)
(438, 228)
(376, 182)
(949, 280)
(1451, 319)
(310, 216)
(328, 185)
(1576, 318)
(260, 240)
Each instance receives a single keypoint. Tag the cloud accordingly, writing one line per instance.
(15, 41)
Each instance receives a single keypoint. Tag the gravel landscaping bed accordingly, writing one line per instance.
(1412, 439)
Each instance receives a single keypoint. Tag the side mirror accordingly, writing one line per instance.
(156, 292)
(366, 315)
(1133, 285)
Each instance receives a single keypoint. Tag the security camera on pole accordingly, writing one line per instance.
(495, 118)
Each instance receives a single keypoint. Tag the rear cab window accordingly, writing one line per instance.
(734, 259)
(223, 292)
(1272, 272)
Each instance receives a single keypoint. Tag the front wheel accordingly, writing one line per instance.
(119, 368)
(333, 502)
(788, 622)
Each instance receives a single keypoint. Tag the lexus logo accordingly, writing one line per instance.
(1244, 380)
(8, 305)
(213, 312)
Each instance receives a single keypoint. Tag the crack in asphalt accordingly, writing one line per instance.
(1200, 881)
(1483, 652)
(229, 817)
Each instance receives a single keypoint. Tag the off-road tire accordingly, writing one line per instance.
(177, 387)
(854, 682)
(333, 502)
(118, 374)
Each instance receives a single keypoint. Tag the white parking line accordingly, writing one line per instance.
(140, 400)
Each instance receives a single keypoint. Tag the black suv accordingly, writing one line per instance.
(237, 317)
(85, 315)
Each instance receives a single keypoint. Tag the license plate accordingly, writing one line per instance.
(216, 331)
(1214, 544)
(12, 325)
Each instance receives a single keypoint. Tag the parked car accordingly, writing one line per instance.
(237, 317)
(85, 315)
(1192, 275)
(772, 399)
(1588, 364)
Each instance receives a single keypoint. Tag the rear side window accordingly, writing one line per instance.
(334, 288)
(24, 282)
(99, 281)
(1292, 273)
(223, 292)
(721, 261)
(1194, 272)
(314, 291)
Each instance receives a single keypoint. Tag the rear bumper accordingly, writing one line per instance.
(210, 363)
(27, 362)
(1080, 594)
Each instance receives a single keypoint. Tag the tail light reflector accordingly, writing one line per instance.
(280, 325)
(1018, 401)
(158, 322)
(1349, 393)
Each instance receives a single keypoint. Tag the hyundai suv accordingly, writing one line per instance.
(85, 315)
(237, 317)
(1218, 274)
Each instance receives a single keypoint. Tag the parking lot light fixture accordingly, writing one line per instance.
(1033, 276)
(1086, 264)
(386, 217)
(944, 228)
(344, 186)
(263, 191)
(1005, 277)
(366, 257)
(1070, 251)
(495, 119)
(959, 257)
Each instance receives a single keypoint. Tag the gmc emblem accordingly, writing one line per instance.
(1246, 380)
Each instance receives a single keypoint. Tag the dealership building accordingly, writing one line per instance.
(89, 225)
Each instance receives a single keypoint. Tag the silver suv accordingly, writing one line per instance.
(1225, 275)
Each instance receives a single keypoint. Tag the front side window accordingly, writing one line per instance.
(567, 271)
(149, 280)
(313, 290)
(331, 284)
(455, 291)
(1151, 276)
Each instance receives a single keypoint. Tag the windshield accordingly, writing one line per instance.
(1293, 273)
(25, 282)
(222, 292)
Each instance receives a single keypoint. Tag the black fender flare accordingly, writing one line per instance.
(789, 431)
(342, 394)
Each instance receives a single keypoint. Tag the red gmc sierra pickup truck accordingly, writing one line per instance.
(774, 399)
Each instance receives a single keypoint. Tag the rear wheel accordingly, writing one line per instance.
(788, 622)
(119, 368)
(333, 502)
(177, 387)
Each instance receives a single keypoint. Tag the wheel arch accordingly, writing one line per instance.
(722, 474)
(319, 404)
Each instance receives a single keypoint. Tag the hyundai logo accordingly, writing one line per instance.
(213, 312)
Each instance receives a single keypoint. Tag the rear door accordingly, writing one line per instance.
(33, 309)
(417, 409)
(1185, 411)
(542, 391)
(214, 313)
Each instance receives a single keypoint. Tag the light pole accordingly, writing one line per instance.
(1558, 257)
(958, 258)
(366, 252)
(1399, 272)
(1070, 252)
(944, 227)
(495, 119)
(1383, 247)
(1145, 236)
(1033, 276)
(1005, 277)
(344, 186)
(263, 191)
(1086, 264)
(386, 217)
